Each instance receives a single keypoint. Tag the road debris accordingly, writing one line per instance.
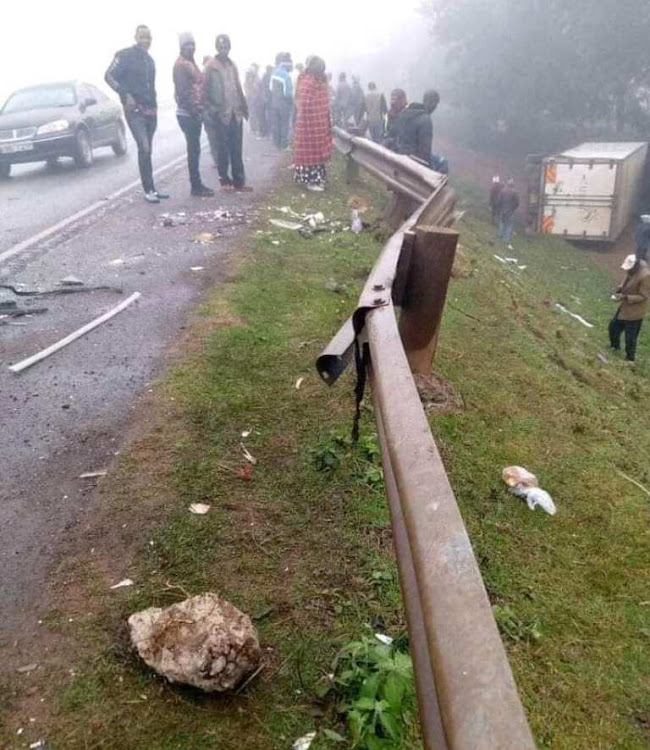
(246, 433)
(59, 290)
(205, 238)
(203, 641)
(385, 639)
(524, 484)
(199, 509)
(517, 475)
(27, 668)
(251, 459)
(20, 366)
(292, 225)
(93, 474)
(123, 584)
(304, 743)
(71, 281)
(575, 316)
(174, 220)
(197, 268)
(357, 225)
(299, 382)
(40, 745)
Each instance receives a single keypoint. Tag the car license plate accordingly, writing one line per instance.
(14, 148)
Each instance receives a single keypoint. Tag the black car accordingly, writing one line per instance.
(43, 123)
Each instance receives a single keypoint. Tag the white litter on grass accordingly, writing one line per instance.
(512, 260)
(304, 743)
(123, 584)
(247, 455)
(93, 474)
(275, 242)
(40, 745)
(116, 262)
(197, 268)
(299, 382)
(535, 496)
(292, 225)
(27, 668)
(385, 639)
(500, 259)
(575, 316)
(199, 509)
(247, 433)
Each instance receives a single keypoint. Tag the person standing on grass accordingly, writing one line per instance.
(226, 107)
(132, 75)
(188, 92)
(312, 146)
(507, 205)
(398, 102)
(495, 192)
(281, 104)
(376, 111)
(633, 295)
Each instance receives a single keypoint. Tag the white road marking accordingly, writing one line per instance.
(50, 231)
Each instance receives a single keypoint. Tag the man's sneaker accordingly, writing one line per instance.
(161, 195)
(202, 192)
(152, 197)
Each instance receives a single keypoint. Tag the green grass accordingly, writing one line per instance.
(307, 549)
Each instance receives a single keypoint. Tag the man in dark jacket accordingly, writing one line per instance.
(415, 129)
(188, 92)
(507, 205)
(226, 107)
(132, 74)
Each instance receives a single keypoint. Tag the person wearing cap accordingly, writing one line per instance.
(226, 108)
(188, 92)
(281, 104)
(132, 75)
(633, 295)
(495, 192)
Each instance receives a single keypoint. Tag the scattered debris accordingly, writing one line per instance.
(199, 509)
(71, 281)
(275, 242)
(602, 359)
(304, 743)
(299, 382)
(633, 481)
(292, 225)
(251, 459)
(40, 745)
(203, 641)
(246, 433)
(59, 290)
(575, 316)
(357, 224)
(116, 262)
(27, 668)
(197, 268)
(174, 220)
(93, 474)
(205, 238)
(524, 484)
(20, 366)
(123, 584)
(500, 259)
(385, 639)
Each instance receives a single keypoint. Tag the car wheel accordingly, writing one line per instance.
(120, 146)
(5, 171)
(84, 154)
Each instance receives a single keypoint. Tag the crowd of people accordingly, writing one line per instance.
(295, 106)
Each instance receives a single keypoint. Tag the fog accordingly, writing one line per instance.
(66, 41)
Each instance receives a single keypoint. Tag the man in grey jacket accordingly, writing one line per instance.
(225, 108)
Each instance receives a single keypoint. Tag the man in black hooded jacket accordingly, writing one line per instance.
(415, 129)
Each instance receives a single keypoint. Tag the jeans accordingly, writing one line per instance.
(280, 126)
(506, 226)
(142, 128)
(211, 132)
(191, 127)
(376, 131)
(230, 137)
(632, 329)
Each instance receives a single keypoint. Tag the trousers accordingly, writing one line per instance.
(142, 129)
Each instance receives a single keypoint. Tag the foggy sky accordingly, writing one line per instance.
(59, 41)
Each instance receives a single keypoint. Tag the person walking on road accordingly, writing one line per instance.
(633, 295)
(132, 75)
(507, 205)
(188, 92)
(312, 146)
(415, 129)
(376, 111)
(226, 107)
(398, 102)
(281, 104)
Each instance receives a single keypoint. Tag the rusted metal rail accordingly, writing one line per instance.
(467, 696)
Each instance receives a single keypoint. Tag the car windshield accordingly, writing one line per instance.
(42, 97)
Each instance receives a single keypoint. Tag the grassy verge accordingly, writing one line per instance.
(303, 544)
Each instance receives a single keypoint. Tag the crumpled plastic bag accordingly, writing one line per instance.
(535, 496)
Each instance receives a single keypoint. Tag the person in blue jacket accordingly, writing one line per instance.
(281, 103)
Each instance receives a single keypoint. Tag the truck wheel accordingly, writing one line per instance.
(119, 146)
(5, 171)
(83, 152)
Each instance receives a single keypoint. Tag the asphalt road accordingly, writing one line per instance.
(36, 197)
(68, 414)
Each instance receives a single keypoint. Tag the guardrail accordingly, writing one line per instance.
(467, 696)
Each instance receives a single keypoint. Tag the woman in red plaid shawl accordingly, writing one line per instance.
(312, 142)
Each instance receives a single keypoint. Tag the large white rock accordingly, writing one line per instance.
(204, 641)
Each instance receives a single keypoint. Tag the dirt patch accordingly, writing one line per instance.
(438, 395)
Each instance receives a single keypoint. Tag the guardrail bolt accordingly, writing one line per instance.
(378, 287)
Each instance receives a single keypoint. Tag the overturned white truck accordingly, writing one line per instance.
(590, 192)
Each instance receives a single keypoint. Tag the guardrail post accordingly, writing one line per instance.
(432, 258)
(399, 208)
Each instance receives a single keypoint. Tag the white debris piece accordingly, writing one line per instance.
(199, 509)
(292, 225)
(123, 584)
(575, 316)
(304, 743)
(93, 474)
(385, 639)
(535, 496)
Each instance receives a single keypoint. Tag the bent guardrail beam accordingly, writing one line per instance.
(467, 696)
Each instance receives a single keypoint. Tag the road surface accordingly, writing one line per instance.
(68, 414)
